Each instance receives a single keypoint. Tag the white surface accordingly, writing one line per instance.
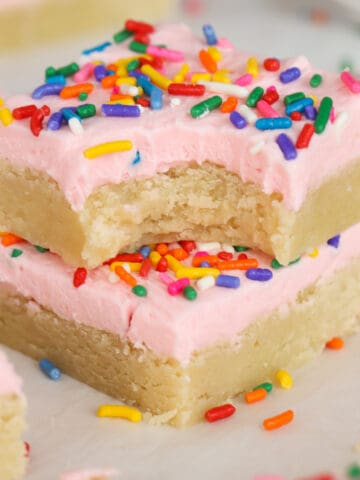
(64, 432)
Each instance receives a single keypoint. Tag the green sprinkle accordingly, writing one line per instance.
(240, 248)
(50, 72)
(295, 261)
(315, 80)
(276, 264)
(139, 290)
(16, 253)
(206, 106)
(254, 96)
(190, 293)
(353, 471)
(138, 47)
(293, 97)
(133, 65)
(68, 70)
(122, 35)
(267, 385)
(323, 115)
(85, 111)
(41, 249)
(83, 96)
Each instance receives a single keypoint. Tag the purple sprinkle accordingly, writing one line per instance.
(259, 274)
(237, 120)
(100, 72)
(286, 146)
(55, 121)
(290, 75)
(137, 74)
(310, 112)
(334, 241)
(47, 89)
(205, 265)
(118, 110)
(227, 281)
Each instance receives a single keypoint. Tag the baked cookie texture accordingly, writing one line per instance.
(183, 177)
(12, 423)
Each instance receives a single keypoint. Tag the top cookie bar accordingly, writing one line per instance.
(162, 135)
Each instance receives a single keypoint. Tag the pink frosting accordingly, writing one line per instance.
(169, 325)
(88, 474)
(171, 137)
(10, 382)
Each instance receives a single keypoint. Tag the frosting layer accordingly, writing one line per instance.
(169, 137)
(169, 325)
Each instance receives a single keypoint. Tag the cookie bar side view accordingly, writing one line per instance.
(177, 343)
(12, 423)
(154, 156)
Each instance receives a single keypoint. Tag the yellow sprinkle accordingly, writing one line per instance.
(97, 62)
(173, 263)
(6, 117)
(195, 273)
(126, 60)
(220, 77)
(134, 266)
(120, 411)
(314, 97)
(252, 66)
(196, 77)
(314, 253)
(127, 80)
(1, 101)
(109, 147)
(121, 71)
(156, 77)
(154, 258)
(215, 53)
(122, 101)
(180, 76)
(284, 378)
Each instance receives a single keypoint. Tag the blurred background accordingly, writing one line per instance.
(38, 33)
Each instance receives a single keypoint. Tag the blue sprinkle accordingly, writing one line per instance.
(310, 112)
(69, 113)
(210, 34)
(98, 48)
(227, 281)
(138, 75)
(259, 274)
(273, 123)
(290, 75)
(286, 146)
(145, 251)
(205, 265)
(156, 98)
(334, 241)
(237, 120)
(137, 158)
(299, 105)
(100, 72)
(60, 79)
(110, 72)
(47, 89)
(49, 369)
(119, 110)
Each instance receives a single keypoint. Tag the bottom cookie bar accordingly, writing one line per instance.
(12, 423)
(165, 354)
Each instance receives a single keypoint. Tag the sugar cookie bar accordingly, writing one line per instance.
(147, 155)
(12, 423)
(175, 343)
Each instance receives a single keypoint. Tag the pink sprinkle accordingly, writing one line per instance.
(201, 254)
(352, 84)
(225, 43)
(84, 73)
(244, 79)
(332, 115)
(176, 287)
(165, 53)
(266, 110)
(115, 90)
(272, 88)
(165, 278)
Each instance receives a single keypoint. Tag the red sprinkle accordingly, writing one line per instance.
(27, 449)
(145, 268)
(36, 122)
(225, 255)
(156, 62)
(186, 89)
(305, 136)
(242, 256)
(187, 245)
(271, 96)
(24, 112)
(144, 102)
(162, 265)
(80, 275)
(139, 27)
(218, 413)
(271, 64)
(125, 257)
(142, 38)
(296, 116)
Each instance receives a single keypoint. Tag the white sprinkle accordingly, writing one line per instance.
(205, 282)
(248, 113)
(257, 147)
(75, 126)
(126, 267)
(126, 89)
(175, 101)
(207, 246)
(340, 121)
(227, 248)
(226, 88)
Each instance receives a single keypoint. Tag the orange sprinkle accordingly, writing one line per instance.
(229, 105)
(207, 61)
(8, 239)
(162, 248)
(179, 253)
(112, 67)
(335, 343)
(75, 90)
(118, 96)
(279, 420)
(243, 264)
(211, 259)
(125, 276)
(255, 395)
(109, 81)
